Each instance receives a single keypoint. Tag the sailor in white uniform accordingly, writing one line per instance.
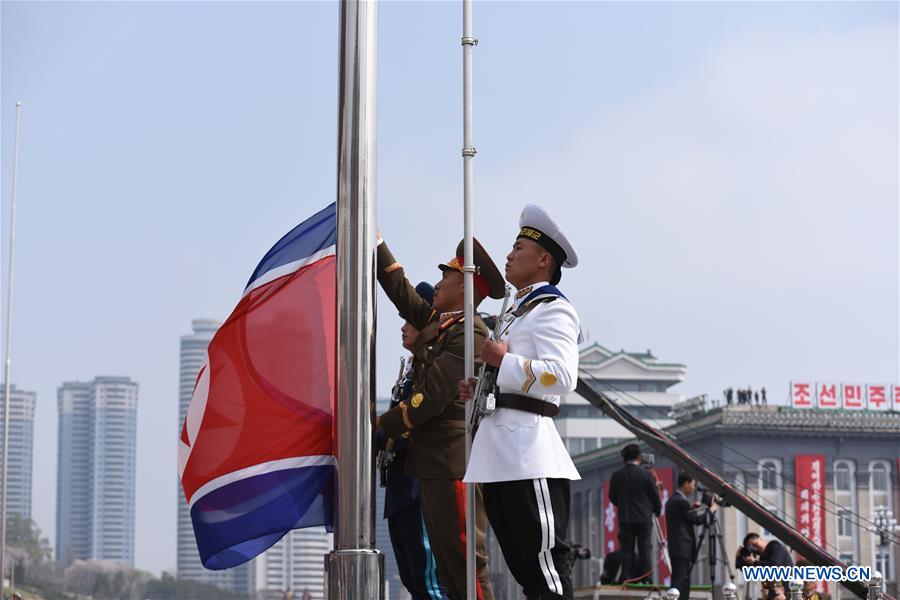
(517, 453)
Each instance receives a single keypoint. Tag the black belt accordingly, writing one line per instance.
(527, 404)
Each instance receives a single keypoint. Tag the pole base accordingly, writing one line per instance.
(354, 575)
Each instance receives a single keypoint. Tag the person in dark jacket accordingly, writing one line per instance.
(402, 509)
(766, 553)
(681, 517)
(636, 497)
(771, 553)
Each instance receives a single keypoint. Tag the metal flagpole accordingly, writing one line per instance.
(355, 568)
(6, 391)
(468, 154)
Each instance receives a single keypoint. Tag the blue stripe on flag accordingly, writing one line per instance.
(238, 521)
(312, 235)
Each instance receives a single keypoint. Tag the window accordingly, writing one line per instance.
(769, 471)
(578, 445)
(842, 477)
(847, 542)
(845, 524)
(879, 485)
(879, 478)
(770, 486)
(574, 446)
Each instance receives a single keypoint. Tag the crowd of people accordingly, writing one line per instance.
(745, 396)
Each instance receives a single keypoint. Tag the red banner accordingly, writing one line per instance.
(810, 471)
(665, 477)
(610, 522)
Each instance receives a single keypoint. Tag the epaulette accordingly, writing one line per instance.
(545, 293)
(452, 321)
(528, 306)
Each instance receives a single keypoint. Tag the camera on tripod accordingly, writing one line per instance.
(707, 497)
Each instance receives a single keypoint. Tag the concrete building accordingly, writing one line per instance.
(761, 450)
(21, 449)
(96, 470)
(188, 566)
(637, 380)
(296, 563)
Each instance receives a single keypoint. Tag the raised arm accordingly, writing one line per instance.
(399, 290)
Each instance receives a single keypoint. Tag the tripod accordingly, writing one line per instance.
(716, 543)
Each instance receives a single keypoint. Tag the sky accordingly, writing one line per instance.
(727, 172)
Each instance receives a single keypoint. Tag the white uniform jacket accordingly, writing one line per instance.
(542, 362)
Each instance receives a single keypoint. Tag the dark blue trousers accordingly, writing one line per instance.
(415, 560)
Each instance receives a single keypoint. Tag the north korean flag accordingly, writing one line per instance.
(256, 454)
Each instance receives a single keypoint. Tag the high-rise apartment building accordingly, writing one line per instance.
(96, 470)
(21, 449)
(193, 353)
(296, 563)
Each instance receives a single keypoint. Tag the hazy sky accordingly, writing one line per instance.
(728, 173)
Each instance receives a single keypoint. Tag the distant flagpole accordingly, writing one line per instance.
(6, 366)
(355, 567)
(468, 154)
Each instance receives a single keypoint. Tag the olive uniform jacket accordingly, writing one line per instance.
(434, 415)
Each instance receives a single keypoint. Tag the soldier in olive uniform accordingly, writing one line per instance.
(434, 415)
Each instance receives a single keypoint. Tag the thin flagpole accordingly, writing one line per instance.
(6, 366)
(468, 154)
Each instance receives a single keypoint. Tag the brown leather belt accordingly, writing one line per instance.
(527, 404)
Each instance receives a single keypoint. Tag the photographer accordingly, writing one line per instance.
(635, 495)
(757, 551)
(765, 553)
(681, 517)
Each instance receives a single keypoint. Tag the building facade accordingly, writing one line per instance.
(295, 564)
(21, 449)
(769, 452)
(637, 380)
(96, 470)
(188, 566)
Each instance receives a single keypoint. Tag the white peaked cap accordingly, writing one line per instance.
(535, 217)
